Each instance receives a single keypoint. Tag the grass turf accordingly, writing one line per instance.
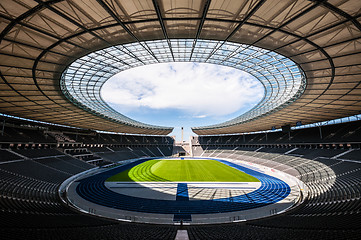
(162, 170)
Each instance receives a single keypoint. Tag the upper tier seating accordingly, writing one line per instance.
(343, 132)
(61, 165)
(30, 205)
(116, 139)
(33, 169)
(31, 208)
(38, 153)
(25, 135)
(354, 154)
(331, 210)
(6, 155)
(313, 153)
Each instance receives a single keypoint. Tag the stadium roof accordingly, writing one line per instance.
(40, 40)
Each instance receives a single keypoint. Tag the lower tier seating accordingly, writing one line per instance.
(332, 209)
(30, 205)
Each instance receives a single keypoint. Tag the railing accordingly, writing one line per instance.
(68, 194)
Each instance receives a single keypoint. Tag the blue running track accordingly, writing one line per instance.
(94, 190)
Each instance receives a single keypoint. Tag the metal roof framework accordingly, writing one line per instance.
(283, 81)
(40, 39)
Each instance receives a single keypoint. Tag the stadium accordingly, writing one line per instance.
(73, 167)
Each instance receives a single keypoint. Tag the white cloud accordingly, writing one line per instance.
(201, 116)
(198, 89)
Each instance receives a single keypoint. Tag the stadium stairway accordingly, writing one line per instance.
(30, 206)
(332, 209)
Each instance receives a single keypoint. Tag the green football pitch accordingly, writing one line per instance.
(166, 170)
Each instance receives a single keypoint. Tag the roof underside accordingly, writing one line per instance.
(283, 81)
(40, 39)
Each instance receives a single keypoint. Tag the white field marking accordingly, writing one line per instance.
(214, 193)
(271, 171)
(226, 185)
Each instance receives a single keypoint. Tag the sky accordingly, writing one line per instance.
(182, 94)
